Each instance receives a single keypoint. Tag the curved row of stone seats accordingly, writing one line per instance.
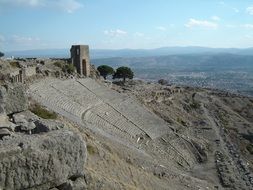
(116, 119)
(42, 83)
(78, 93)
(174, 155)
(136, 113)
(177, 145)
(67, 105)
(93, 118)
(77, 96)
(57, 109)
(49, 94)
(143, 118)
(100, 90)
(89, 83)
(108, 95)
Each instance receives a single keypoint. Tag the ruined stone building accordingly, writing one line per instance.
(80, 59)
(17, 76)
(20, 75)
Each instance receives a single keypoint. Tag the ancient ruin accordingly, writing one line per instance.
(80, 59)
(36, 153)
(17, 76)
(92, 103)
(22, 74)
(139, 135)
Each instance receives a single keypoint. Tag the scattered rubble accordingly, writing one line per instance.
(36, 153)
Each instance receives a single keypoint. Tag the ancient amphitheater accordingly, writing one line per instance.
(99, 108)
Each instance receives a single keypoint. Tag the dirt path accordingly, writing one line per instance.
(231, 169)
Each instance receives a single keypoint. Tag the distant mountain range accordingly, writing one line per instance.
(219, 61)
(221, 68)
(109, 53)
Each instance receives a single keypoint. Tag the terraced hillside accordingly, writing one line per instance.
(149, 136)
(88, 102)
(129, 139)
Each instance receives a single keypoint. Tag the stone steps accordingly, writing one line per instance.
(143, 118)
(78, 93)
(111, 108)
(56, 99)
(116, 119)
(93, 118)
(89, 83)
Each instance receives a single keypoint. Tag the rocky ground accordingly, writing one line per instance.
(220, 119)
(37, 153)
(210, 146)
(205, 124)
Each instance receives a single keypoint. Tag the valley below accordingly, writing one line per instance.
(203, 141)
(229, 72)
(76, 132)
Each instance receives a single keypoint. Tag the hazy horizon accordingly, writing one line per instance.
(125, 24)
(148, 48)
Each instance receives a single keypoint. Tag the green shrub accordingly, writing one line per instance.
(105, 70)
(68, 68)
(58, 64)
(14, 64)
(42, 112)
(91, 149)
(123, 72)
(223, 118)
(182, 122)
(249, 147)
(195, 105)
(1, 54)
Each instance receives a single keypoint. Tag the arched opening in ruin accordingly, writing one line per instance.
(84, 67)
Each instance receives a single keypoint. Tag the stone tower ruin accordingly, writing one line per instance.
(80, 59)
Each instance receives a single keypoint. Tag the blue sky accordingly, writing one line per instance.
(117, 24)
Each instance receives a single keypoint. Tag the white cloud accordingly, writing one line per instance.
(115, 33)
(223, 4)
(201, 23)
(161, 28)
(249, 10)
(249, 26)
(65, 5)
(31, 3)
(215, 18)
(16, 42)
(236, 10)
(15, 39)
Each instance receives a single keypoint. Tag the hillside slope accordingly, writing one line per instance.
(207, 144)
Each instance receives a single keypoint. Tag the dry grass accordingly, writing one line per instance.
(91, 149)
(14, 64)
(42, 112)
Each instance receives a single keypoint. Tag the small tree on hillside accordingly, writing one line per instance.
(105, 70)
(69, 68)
(162, 82)
(1, 54)
(123, 72)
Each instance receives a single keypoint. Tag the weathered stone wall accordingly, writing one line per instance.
(30, 71)
(80, 59)
(17, 76)
(13, 98)
(41, 161)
